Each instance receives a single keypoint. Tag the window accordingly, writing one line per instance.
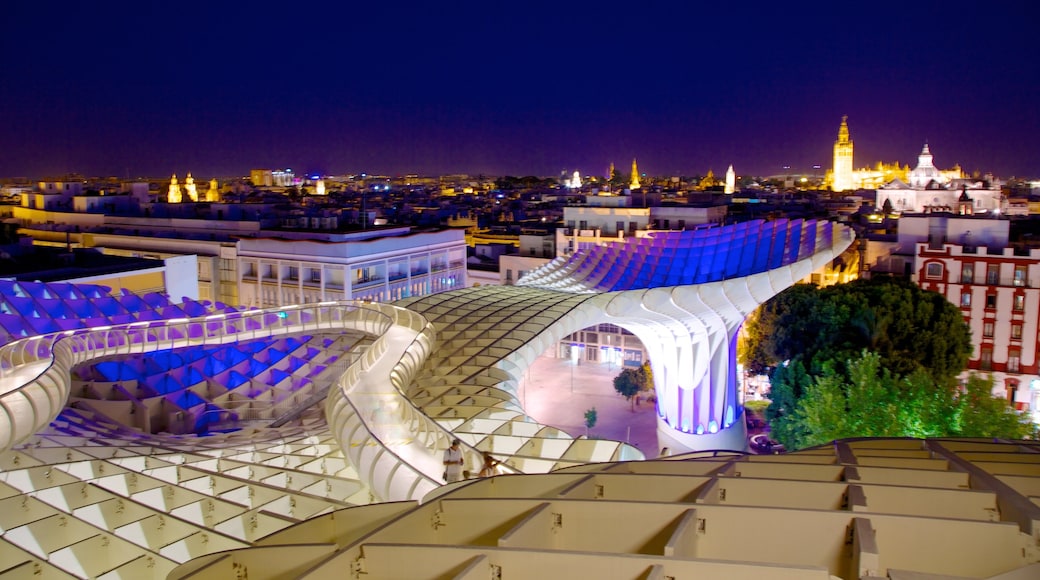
(967, 274)
(934, 270)
(1020, 302)
(987, 329)
(1016, 331)
(991, 300)
(1014, 358)
(986, 358)
(1020, 276)
(316, 275)
(965, 299)
(993, 274)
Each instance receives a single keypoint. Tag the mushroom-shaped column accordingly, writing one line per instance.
(686, 295)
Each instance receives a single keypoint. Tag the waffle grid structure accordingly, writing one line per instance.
(401, 381)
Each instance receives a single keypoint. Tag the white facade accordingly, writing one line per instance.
(364, 266)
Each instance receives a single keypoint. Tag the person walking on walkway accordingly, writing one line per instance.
(453, 462)
(490, 468)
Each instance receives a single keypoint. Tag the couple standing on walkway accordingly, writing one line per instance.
(453, 462)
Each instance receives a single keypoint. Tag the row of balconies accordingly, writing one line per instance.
(998, 281)
(331, 285)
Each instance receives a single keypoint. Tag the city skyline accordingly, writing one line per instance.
(140, 91)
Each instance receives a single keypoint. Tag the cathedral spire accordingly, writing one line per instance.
(842, 178)
(843, 130)
(634, 183)
(174, 193)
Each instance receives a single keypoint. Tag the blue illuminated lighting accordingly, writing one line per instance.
(283, 314)
(729, 416)
(686, 425)
(698, 256)
(713, 426)
(700, 429)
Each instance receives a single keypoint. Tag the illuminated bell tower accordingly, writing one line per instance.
(611, 174)
(634, 183)
(213, 193)
(174, 194)
(189, 189)
(731, 180)
(843, 159)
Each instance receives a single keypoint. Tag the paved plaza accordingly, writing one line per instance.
(557, 392)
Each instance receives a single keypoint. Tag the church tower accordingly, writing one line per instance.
(731, 180)
(191, 192)
(213, 193)
(843, 159)
(634, 183)
(174, 194)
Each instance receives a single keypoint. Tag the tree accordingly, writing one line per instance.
(812, 342)
(983, 415)
(590, 419)
(870, 401)
(910, 328)
(628, 384)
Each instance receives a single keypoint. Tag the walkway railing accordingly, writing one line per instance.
(394, 446)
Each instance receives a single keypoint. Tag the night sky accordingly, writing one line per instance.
(520, 88)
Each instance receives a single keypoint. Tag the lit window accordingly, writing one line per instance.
(1016, 331)
(966, 299)
(1020, 302)
(992, 274)
(934, 270)
(1020, 276)
(987, 329)
(967, 274)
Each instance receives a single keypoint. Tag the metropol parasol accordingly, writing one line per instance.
(104, 396)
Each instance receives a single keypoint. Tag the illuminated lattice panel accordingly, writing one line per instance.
(142, 507)
(31, 308)
(459, 388)
(196, 389)
(685, 257)
(688, 517)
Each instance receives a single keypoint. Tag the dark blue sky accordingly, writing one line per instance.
(513, 88)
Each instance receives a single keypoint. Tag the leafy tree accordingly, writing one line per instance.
(870, 401)
(812, 341)
(983, 415)
(647, 377)
(628, 383)
(910, 328)
(591, 416)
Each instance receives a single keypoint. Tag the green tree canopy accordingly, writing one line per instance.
(870, 358)
(628, 383)
(910, 328)
(870, 401)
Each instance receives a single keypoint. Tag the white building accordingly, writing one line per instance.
(239, 263)
(282, 268)
(930, 189)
